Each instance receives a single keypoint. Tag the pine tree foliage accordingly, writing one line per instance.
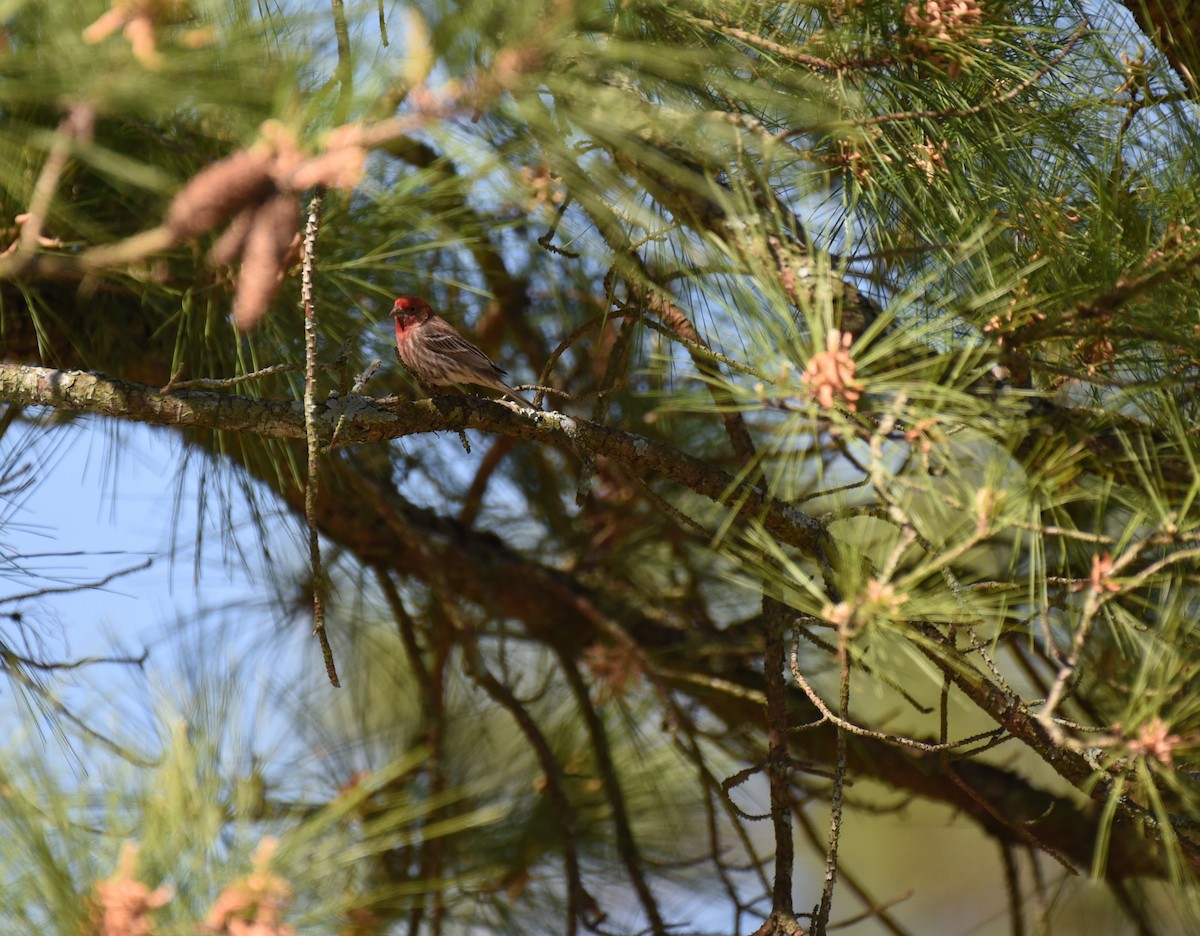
(864, 336)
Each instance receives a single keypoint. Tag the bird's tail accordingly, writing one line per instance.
(510, 392)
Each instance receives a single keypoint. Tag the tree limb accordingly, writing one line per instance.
(369, 421)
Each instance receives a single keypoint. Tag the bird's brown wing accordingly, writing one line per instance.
(465, 356)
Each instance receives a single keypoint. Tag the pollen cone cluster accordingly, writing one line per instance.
(254, 192)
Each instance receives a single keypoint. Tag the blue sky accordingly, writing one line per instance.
(103, 503)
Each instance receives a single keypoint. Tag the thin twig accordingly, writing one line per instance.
(444, 630)
(546, 239)
(311, 434)
(736, 780)
(8, 657)
(671, 510)
(578, 900)
(359, 383)
(625, 842)
(821, 923)
(877, 673)
(778, 763)
(874, 910)
(76, 125)
(837, 721)
(18, 673)
(408, 631)
(767, 45)
(345, 66)
(1096, 597)
(223, 383)
(696, 347)
(690, 745)
(1025, 831)
(82, 586)
(473, 499)
(1012, 884)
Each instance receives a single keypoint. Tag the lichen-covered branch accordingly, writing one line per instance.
(371, 420)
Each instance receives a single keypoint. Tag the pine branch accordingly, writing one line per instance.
(369, 421)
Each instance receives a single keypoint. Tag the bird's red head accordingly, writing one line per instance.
(412, 308)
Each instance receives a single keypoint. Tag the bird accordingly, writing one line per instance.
(434, 351)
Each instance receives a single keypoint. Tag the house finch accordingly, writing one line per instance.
(437, 354)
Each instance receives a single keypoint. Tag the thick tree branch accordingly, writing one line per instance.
(369, 421)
